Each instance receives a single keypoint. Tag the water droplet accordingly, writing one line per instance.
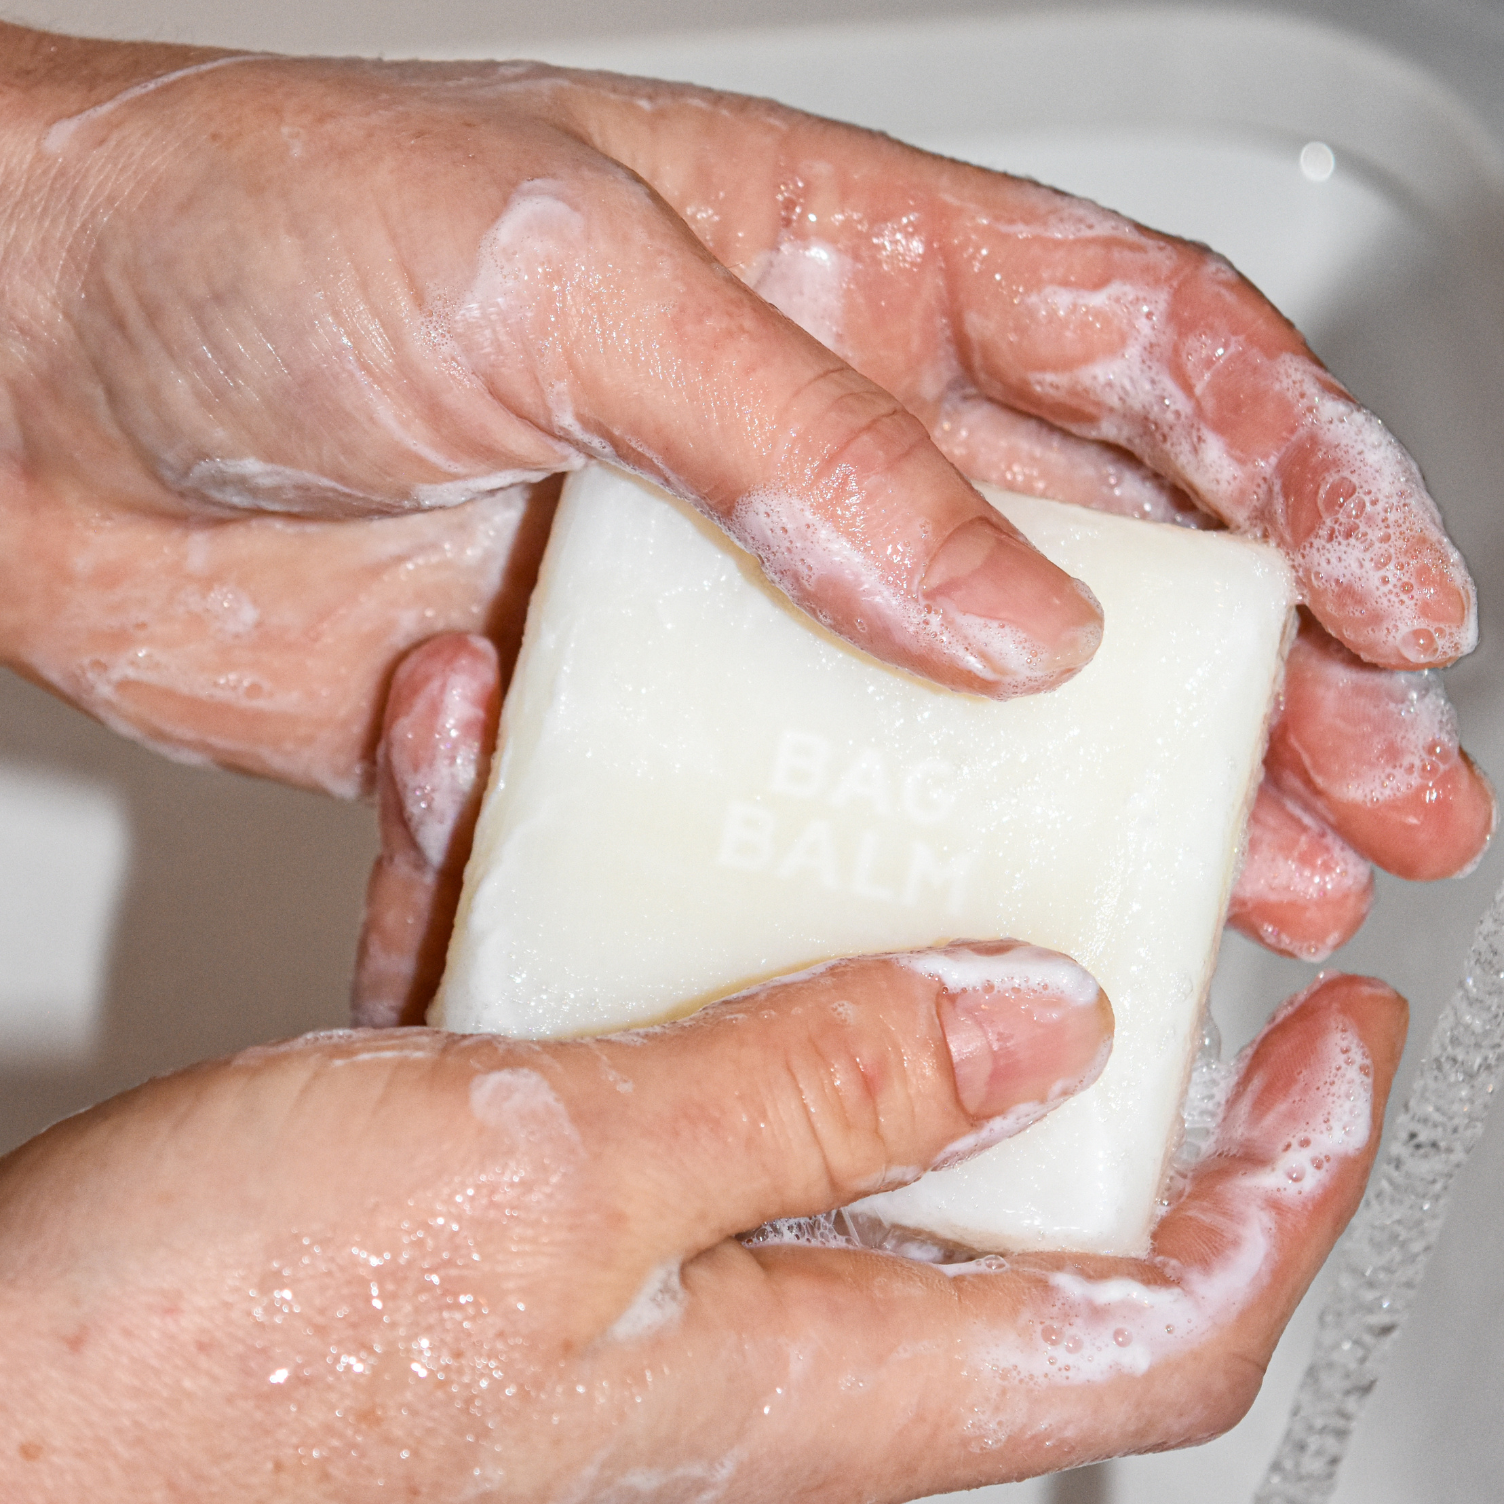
(1051, 1335)
(1122, 1336)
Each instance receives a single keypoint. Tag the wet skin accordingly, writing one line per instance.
(272, 320)
(467, 1267)
(266, 325)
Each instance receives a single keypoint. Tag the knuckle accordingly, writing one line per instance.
(856, 429)
(857, 1107)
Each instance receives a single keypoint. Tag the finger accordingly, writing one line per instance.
(1376, 755)
(1017, 1366)
(1297, 1139)
(1302, 890)
(1156, 345)
(644, 351)
(799, 1096)
(1034, 458)
(1048, 305)
(435, 752)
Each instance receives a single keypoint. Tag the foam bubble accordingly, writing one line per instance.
(1380, 527)
(1316, 865)
(252, 485)
(454, 493)
(806, 280)
(1005, 1125)
(1404, 724)
(811, 561)
(656, 1306)
(1023, 969)
(823, 1231)
(522, 1104)
(1378, 524)
(1089, 1329)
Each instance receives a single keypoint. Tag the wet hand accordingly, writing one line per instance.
(293, 338)
(460, 1265)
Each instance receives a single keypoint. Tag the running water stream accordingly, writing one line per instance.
(1386, 1250)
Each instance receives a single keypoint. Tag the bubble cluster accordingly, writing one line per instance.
(1379, 544)
(1018, 968)
(1377, 556)
(436, 775)
(1090, 1329)
(813, 561)
(1403, 723)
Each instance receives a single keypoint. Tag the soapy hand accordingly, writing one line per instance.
(289, 343)
(450, 1266)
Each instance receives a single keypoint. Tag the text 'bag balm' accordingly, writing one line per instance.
(698, 788)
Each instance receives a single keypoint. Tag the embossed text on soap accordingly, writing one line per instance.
(804, 828)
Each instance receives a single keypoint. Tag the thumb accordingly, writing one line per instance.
(641, 349)
(801, 1095)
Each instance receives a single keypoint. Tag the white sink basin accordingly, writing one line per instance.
(239, 920)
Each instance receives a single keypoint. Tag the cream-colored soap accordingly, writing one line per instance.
(698, 788)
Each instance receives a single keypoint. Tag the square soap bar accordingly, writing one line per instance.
(698, 788)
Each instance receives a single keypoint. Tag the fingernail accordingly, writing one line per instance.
(1029, 624)
(1026, 1027)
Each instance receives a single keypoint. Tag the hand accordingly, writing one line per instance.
(287, 340)
(444, 1265)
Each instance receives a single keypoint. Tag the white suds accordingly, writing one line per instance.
(251, 485)
(657, 1305)
(827, 1230)
(433, 755)
(993, 1131)
(61, 131)
(522, 1103)
(1201, 1113)
(454, 493)
(811, 560)
(1098, 1329)
(1377, 517)
(805, 280)
(1403, 721)
(1023, 969)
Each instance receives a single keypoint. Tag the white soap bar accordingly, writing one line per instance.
(699, 788)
